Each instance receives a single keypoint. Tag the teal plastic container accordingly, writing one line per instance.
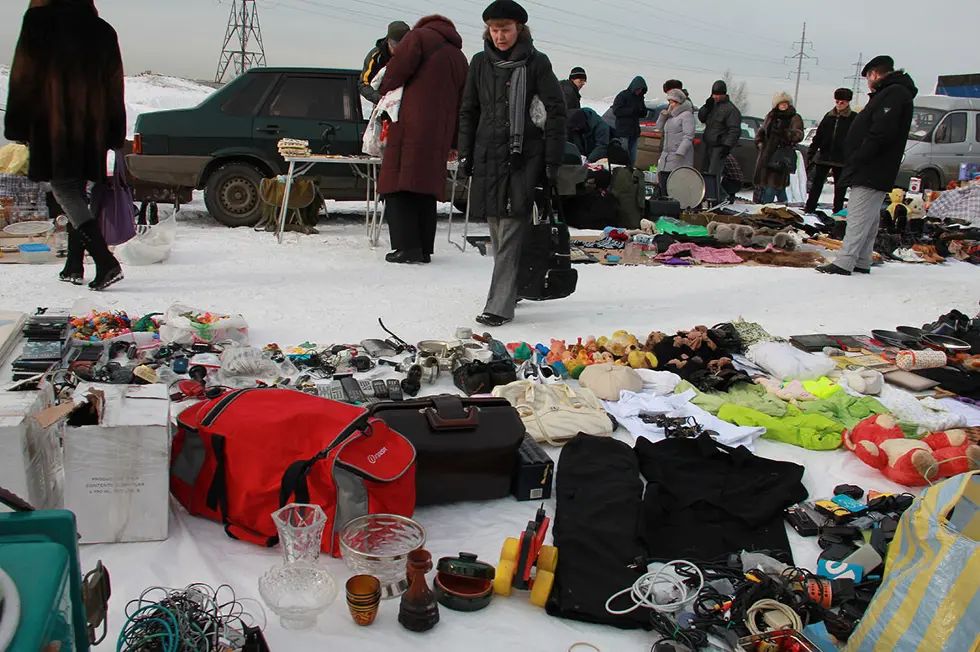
(40, 573)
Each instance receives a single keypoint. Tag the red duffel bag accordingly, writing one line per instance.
(239, 457)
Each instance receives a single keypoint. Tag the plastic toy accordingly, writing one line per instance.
(526, 563)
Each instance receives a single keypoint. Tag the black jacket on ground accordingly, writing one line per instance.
(722, 123)
(376, 59)
(597, 530)
(572, 95)
(592, 141)
(629, 108)
(66, 94)
(502, 187)
(705, 501)
(876, 142)
(827, 147)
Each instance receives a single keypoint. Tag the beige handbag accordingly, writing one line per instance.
(555, 413)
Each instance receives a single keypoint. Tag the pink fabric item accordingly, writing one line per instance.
(709, 255)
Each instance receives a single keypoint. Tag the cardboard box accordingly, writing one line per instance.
(648, 152)
(30, 455)
(117, 468)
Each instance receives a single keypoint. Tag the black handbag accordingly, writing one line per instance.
(466, 448)
(545, 271)
(783, 160)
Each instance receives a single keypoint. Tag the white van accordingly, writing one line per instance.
(945, 132)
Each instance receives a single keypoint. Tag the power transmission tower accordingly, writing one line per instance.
(238, 52)
(855, 79)
(800, 56)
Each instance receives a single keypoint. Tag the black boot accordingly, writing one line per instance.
(107, 269)
(74, 270)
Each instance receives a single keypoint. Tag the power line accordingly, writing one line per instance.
(237, 53)
(855, 79)
(800, 56)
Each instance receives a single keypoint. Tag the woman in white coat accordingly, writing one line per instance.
(676, 123)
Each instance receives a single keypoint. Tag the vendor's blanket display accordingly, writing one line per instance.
(239, 457)
(929, 598)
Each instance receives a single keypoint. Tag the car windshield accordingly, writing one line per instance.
(923, 122)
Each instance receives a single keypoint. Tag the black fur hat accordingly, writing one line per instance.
(845, 94)
(505, 10)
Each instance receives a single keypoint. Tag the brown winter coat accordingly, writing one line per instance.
(780, 128)
(66, 91)
(429, 63)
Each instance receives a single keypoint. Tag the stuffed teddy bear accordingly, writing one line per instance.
(916, 213)
(880, 443)
(895, 215)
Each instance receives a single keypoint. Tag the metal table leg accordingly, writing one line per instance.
(285, 200)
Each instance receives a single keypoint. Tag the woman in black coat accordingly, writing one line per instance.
(506, 154)
(66, 102)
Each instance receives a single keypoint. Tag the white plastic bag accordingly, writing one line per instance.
(786, 362)
(183, 325)
(151, 245)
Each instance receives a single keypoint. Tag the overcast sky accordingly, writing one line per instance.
(693, 40)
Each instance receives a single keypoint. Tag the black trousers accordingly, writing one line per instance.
(820, 174)
(411, 218)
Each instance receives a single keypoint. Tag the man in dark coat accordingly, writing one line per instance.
(431, 68)
(571, 88)
(505, 151)
(874, 150)
(66, 102)
(826, 153)
(722, 128)
(629, 108)
(378, 58)
(589, 133)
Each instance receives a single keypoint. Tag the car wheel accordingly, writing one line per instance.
(930, 180)
(232, 194)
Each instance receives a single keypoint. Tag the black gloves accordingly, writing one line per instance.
(466, 167)
(516, 160)
(724, 151)
(551, 172)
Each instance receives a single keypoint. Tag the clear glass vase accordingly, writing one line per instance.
(300, 532)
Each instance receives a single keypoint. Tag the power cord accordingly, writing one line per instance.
(643, 590)
(776, 615)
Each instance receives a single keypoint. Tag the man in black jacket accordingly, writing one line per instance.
(378, 58)
(826, 153)
(629, 108)
(571, 88)
(589, 133)
(874, 149)
(722, 128)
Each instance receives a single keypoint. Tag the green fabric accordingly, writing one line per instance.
(751, 396)
(844, 408)
(823, 387)
(676, 227)
(811, 431)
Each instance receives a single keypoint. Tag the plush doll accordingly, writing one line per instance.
(746, 236)
(880, 443)
(640, 359)
(916, 209)
(557, 352)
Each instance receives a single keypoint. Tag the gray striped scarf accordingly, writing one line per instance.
(518, 100)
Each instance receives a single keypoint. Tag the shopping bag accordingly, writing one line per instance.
(930, 595)
(112, 204)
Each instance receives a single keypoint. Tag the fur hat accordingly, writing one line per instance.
(505, 10)
(397, 30)
(845, 94)
(578, 72)
(719, 88)
(671, 84)
(781, 97)
(677, 95)
(722, 233)
(607, 380)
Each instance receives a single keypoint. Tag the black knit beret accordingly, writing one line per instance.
(505, 10)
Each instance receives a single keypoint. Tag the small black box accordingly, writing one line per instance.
(534, 474)
(657, 208)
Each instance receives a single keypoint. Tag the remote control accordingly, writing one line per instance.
(352, 389)
(380, 389)
(395, 390)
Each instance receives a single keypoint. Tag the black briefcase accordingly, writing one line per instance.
(466, 448)
(545, 271)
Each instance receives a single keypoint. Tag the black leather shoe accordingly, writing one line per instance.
(862, 270)
(493, 321)
(831, 268)
(426, 258)
(405, 256)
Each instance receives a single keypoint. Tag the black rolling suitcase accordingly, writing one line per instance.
(546, 263)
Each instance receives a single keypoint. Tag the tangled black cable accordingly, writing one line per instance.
(669, 630)
(194, 619)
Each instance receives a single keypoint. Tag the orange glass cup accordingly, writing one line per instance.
(363, 598)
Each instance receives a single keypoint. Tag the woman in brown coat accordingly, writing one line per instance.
(782, 130)
(66, 102)
(431, 67)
